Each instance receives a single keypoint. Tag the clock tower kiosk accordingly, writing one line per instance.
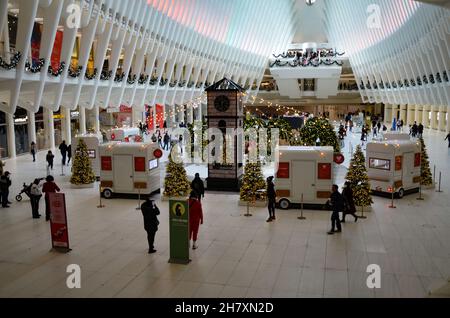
(225, 111)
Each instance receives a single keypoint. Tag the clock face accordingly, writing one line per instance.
(222, 103)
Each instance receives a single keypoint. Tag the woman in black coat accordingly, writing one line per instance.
(349, 202)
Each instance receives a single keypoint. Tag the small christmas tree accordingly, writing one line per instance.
(319, 128)
(359, 180)
(176, 183)
(253, 181)
(82, 169)
(426, 176)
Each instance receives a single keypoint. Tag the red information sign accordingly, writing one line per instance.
(58, 220)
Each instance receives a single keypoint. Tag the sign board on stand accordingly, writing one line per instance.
(58, 222)
(179, 231)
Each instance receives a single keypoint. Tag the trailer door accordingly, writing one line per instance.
(408, 170)
(123, 174)
(304, 180)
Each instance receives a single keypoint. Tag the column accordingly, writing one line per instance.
(31, 127)
(181, 116)
(82, 119)
(403, 113)
(410, 113)
(418, 114)
(434, 112)
(51, 128)
(425, 116)
(66, 127)
(97, 119)
(387, 113)
(190, 115)
(394, 112)
(442, 116)
(447, 130)
(11, 136)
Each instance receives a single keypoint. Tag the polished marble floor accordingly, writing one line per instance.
(237, 256)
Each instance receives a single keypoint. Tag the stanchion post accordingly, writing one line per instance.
(434, 175)
(100, 206)
(301, 217)
(392, 206)
(62, 170)
(248, 209)
(440, 183)
(139, 199)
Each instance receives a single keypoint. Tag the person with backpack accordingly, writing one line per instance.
(195, 218)
(150, 213)
(349, 202)
(166, 141)
(198, 186)
(337, 205)
(69, 154)
(35, 197)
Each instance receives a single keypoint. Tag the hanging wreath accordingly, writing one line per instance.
(142, 79)
(419, 81)
(131, 79)
(153, 81)
(444, 74)
(182, 84)
(75, 73)
(14, 62)
(119, 77)
(173, 84)
(190, 84)
(90, 77)
(106, 75)
(59, 71)
(163, 82)
(199, 85)
(29, 67)
(438, 78)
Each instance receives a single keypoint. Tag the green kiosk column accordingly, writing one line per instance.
(179, 231)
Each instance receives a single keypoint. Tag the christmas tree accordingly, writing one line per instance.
(359, 180)
(176, 183)
(426, 176)
(82, 169)
(319, 128)
(253, 181)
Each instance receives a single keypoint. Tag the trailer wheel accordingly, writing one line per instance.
(284, 204)
(401, 193)
(107, 194)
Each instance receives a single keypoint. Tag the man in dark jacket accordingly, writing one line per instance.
(150, 212)
(5, 183)
(63, 149)
(271, 198)
(448, 138)
(337, 204)
(198, 186)
(420, 130)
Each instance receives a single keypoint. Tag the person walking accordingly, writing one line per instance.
(198, 186)
(271, 198)
(5, 183)
(379, 126)
(69, 154)
(49, 158)
(337, 205)
(349, 202)
(49, 187)
(448, 138)
(150, 213)
(35, 198)
(420, 129)
(33, 150)
(63, 150)
(2, 165)
(195, 218)
(166, 141)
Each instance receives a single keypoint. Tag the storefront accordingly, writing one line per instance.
(3, 136)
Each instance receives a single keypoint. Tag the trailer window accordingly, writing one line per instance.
(381, 164)
(324, 171)
(283, 170)
(417, 160)
(398, 163)
(139, 164)
(106, 163)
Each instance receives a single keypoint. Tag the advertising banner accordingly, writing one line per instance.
(58, 221)
(36, 43)
(56, 53)
(159, 116)
(179, 231)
